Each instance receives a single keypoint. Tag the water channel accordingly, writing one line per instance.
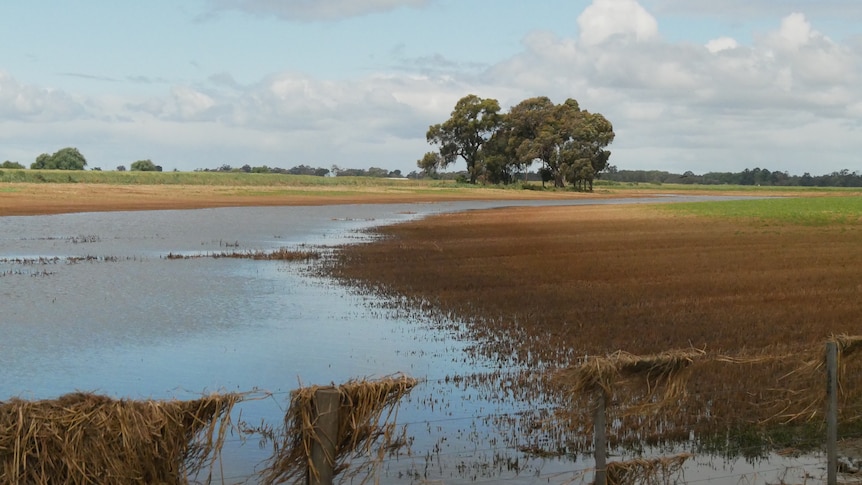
(91, 303)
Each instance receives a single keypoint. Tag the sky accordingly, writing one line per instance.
(705, 86)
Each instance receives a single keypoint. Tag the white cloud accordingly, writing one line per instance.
(724, 105)
(33, 103)
(811, 58)
(721, 44)
(795, 32)
(605, 19)
(314, 10)
(190, 104)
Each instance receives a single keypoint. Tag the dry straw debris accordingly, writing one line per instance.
(800, 393)
(665, 370)
(85, 438)
(847, 344)
(659, 397)
(366, 414)
(646, 471)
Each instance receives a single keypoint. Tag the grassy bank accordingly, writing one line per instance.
(198, 178)
(240, 179)
(727, 189)
(814, 211)
(30, 192)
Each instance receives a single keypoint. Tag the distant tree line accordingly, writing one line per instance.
(567, 141)
(70, 158)
(756, 176)
(335, 171)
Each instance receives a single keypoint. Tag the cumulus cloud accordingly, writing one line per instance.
(32, 103)
(771, 99)
(317, 10)
(721, 44)
(807, 56)
(605, 19)
(795, 32)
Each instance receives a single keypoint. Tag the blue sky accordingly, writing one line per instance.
(689, 85)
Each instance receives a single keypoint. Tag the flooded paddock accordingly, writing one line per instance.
(92, 302)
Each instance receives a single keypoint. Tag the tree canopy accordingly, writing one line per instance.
(569, 142)
(145, 166)
(474, 120)
(64, 159)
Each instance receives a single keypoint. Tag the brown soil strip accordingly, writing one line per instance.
(32, 199)
(54, 198)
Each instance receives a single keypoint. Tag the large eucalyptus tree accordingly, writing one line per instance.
(569, 142)
(472, 123)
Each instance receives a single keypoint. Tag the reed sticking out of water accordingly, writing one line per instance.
(85, 439)
(646, 471)
(366, 414)
(281, 254)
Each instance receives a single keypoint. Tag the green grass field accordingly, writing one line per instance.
(807, 211)
(192, 178)
(776, 190)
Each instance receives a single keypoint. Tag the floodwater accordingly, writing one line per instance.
(91, 303)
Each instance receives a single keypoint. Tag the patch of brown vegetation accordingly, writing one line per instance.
(647, 471)
(552, 284)
(593, 278)
(85, 438)
(366, 414)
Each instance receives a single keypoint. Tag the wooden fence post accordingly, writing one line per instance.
(831, 413)
(326, 404)
(600, 439)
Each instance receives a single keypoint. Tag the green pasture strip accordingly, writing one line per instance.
(806, 211)
(284, 184)
(771, 190)
(200, 178)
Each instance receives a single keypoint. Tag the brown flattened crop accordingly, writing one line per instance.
(553, 284)
(85, 438)
(366, 413)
